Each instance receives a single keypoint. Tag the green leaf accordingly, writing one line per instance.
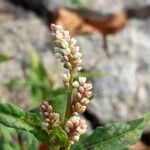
(116, 136)
(6, 146)
(4, 57)
(60, 134)
(8, 138)
(16, 83)
(90, 75)
(32, 143)
(5, 132)
(37, 68)
(41, 87)
(12, 116)
(59, 104)
(59, 91)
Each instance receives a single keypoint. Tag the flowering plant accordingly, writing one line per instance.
(63, 131)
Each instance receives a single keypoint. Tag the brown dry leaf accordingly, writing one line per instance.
(82, 24)
(73, 22)
(110, 24)
(139, 146)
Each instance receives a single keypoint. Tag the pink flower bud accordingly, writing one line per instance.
(81, 89)
(53, 27)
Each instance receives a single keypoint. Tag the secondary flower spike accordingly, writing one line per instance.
(51, 118)
(65, 48)
(75, 127)
(82, 95)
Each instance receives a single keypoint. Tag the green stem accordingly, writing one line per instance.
(69, 99)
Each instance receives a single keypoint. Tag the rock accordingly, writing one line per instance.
(20, 35)
(123, 92)
(113, 6)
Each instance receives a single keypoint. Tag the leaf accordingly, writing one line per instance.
(38, 79)
(12, 116)
(6, 133)
(4, 57)
(59, 91)
(87, 21)
(8, 138)
(6, 146)
(32, 143)
(60, 134)
(37, 66)
(16, 83)
(116, 136)
(59, 104)
(92, 74)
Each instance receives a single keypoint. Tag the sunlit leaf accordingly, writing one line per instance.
(115, 136)
(12, 116)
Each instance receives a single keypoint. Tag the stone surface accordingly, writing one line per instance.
(123, 92)
(113, 6)
(19, 35)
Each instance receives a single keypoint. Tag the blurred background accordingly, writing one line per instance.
(113, 36)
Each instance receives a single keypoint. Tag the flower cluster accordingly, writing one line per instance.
(82, 95)
(67, 52)
(75, 127)
(51, 118)
(65, 48)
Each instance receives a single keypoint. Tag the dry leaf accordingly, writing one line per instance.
(82, 24)
(139, 146)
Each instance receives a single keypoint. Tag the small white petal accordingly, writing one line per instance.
(66, 32)
(64, 44)
(73, 41)
(79, 68)
(47, 120)
(88, 86)
(82, 80)
(59, 35)
(75, 84)
(56, 50)
(58, 55)
(76, 138)
(66, 51)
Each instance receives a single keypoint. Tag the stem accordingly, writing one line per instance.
(69, 99)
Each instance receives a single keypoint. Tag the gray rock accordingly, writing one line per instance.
(113, 6)
(123, 92)
(18, 37)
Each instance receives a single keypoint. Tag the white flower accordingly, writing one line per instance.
(66, 51)
(82, 80)
(75, 84)
(88, 86)
(64, 43)
(73, 41)
(64, 77)
(58, 55)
